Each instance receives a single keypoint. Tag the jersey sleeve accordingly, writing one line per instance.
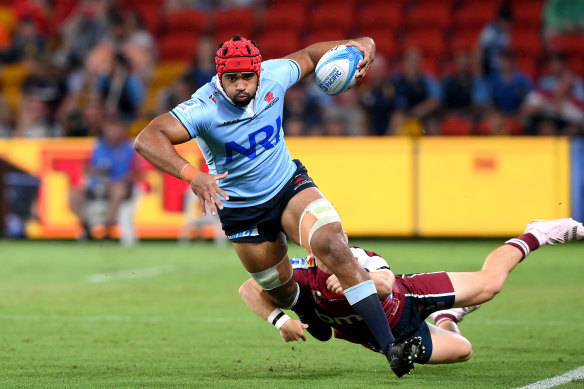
(194, 115)
(369, 260)
(284, 71)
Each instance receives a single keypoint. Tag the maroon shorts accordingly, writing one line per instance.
(421, 294)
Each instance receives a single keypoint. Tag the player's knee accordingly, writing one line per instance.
(327, 247)
(465, 351)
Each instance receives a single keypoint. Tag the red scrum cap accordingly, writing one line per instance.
(238, 55)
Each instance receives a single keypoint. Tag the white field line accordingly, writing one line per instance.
(130, 274)
(576, 374)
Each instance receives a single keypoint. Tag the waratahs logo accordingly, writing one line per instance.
(330, 79)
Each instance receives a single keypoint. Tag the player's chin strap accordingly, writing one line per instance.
(316, 214)
(250, 108)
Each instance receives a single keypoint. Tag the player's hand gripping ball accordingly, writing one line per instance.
(335, 72)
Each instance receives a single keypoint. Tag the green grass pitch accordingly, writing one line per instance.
(165, 315)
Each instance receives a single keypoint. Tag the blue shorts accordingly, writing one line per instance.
(424, 293)
(263, 223)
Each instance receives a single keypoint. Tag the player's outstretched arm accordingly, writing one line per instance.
(383, 281)
(308, 57)
(257, 300)
(155, 144)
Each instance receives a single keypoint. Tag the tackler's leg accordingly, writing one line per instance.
(311, 221)
(478, 287)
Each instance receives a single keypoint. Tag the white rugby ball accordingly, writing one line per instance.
(335, 71)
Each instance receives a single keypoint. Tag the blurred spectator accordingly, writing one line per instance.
(464, 93)
(563, 16)
(202, 69)
(556, 106)
(133, 39)
(44, 82)
(174, 94)
(417, 98)
(178, 5)
(495, 123)
(297, 107)
(494, 38)
(27, 42)
(6, 122)
(37, 10)
(121, 90)
(347, 117)
(83, 31)
(42, 93)
(110, 178)
(508, 87)
(377, 96)
(294, 126)
(86, 118)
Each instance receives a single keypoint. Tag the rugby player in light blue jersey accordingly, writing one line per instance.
(263, 195)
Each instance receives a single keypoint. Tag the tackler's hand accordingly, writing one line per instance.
(333, 284)
(293, 330)
(206, 188)
(367, 47)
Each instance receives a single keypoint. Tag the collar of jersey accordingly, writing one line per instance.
(250, 108)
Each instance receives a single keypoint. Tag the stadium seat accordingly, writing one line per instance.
(576, 64)
(278, 43)
(327, 17)
(323, 35)
(228, 32)
(234, 21)
(474, 14)
(285, 16)
(187, 21)
(177, 47)
(526, 41)
(150, 12)
(385, 40)
(456, 125)
(437, 15)
(527, 13)
(430, 41)
(465, 39)
(528, 65)
(570, 43)
(62, 10)
(380, 15)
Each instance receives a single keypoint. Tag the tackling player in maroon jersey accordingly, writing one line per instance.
(409, 299)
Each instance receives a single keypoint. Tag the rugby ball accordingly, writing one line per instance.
(335, 71)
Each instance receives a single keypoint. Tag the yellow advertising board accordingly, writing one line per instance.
(387, 186)
(368, 180)
(485, 186)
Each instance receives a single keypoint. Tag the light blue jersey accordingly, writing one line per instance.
(249, 144)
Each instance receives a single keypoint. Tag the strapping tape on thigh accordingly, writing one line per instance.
(323, 211)
(270, 278)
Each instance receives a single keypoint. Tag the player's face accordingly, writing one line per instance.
(240, 87)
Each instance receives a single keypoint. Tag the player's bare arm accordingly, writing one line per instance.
(383, 281)
(155, 144)
(308, 57)
(256, 299)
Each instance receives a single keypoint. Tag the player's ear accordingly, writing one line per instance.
(346, 236)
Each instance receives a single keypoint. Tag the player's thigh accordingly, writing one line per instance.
(297, 223)
(448, 347)
(469, 288)
(257, 257)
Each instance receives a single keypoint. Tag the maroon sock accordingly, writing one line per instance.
(444, 316)
(526, 243)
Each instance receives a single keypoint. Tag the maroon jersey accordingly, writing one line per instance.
(333, 307)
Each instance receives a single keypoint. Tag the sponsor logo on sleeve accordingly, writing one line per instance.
(187, 105)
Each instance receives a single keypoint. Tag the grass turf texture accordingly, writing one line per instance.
(188, 328)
